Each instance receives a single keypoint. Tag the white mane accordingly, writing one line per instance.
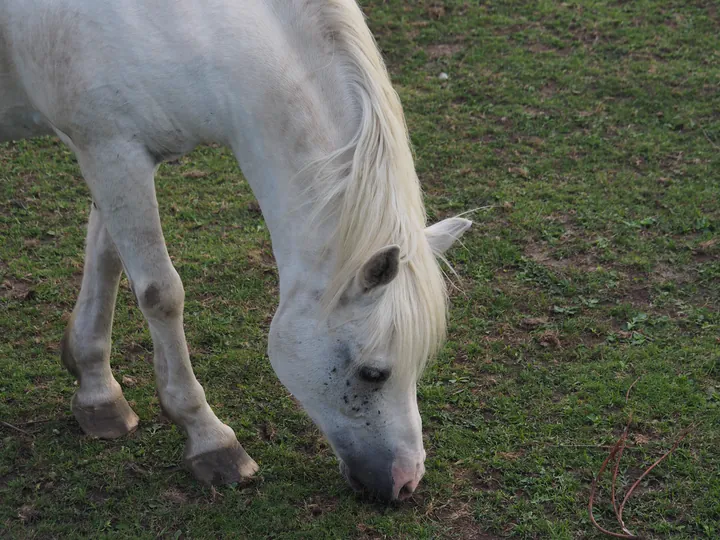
(371, 188)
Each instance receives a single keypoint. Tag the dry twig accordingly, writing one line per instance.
(593, 489)
(684, 434)
(616, 454)
(10, 426)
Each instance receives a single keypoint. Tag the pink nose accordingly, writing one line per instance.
(406, 474)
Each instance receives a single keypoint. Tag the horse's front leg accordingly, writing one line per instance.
(121, 180)
(98, 405)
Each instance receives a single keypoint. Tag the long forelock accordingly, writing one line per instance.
(370, 188)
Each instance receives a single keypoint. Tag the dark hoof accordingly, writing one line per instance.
(106, 421)
(222, 466)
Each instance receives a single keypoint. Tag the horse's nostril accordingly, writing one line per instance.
(406, 475)
(406, 491)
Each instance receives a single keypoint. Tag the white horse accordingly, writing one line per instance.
(298, 90)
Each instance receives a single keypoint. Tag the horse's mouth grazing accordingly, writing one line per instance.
(355, 484)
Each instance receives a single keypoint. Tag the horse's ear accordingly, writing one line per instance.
(445, 233)
(380, 269)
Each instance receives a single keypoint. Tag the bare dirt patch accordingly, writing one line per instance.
(664, 272)
(550, 338)
(262, 257)
(175, 496)
(509, 335)
(441, 50)
(436, 11)
(195, 173)
(16, 290)
(464, 526)
(542, 48)
(548, 90)
(320, 504)
(541, 254)
(487, 480)
(28, 513)
(706, 251)
(531, 323)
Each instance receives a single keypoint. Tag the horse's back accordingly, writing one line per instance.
(96, 68)
(167, 73)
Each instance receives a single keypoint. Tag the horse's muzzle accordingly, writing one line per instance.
(395, 482)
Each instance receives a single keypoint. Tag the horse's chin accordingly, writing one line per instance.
(354, 483)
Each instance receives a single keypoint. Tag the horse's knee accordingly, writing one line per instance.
(162, 299)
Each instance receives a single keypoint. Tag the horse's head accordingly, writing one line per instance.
(355, 368)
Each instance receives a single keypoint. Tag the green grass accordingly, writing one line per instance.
(591, 129)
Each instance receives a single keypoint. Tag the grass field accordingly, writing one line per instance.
(590, 130)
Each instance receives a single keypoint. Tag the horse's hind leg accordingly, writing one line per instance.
(98, 405)
(120, 177)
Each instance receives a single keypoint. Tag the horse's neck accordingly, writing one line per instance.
(298, 109)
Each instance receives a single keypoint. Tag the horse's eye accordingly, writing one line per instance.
(373, 375)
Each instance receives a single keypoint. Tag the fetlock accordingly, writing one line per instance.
(66, 354)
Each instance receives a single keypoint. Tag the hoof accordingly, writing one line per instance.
(223, 466)
(107, 420)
